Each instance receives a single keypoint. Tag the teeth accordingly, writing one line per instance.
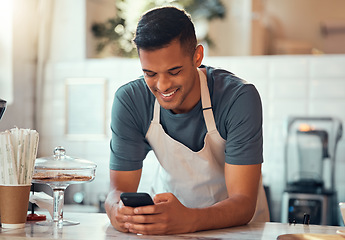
(169, 94)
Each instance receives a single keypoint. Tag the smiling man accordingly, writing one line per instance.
(204, 126)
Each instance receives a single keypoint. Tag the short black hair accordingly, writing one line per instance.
(160, 26)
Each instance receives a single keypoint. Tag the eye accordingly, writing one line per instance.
(175, 72)
(149, 74)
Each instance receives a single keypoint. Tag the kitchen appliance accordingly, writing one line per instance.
(310, 148)
(2, 107)
(59, 171)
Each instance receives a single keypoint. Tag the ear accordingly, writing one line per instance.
(198, 55)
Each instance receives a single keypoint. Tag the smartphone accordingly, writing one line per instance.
(133, 199)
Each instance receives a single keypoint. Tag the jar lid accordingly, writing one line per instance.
(63, 162)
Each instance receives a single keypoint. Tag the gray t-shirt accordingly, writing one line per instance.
(237, 111)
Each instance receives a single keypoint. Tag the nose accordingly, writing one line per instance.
(163, 83)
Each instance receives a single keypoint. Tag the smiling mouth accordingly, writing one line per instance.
(166, 95)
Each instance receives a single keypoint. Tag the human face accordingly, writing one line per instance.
(171, 75)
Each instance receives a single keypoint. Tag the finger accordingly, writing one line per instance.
(162, 197)
(124, 210)
(144, 219)
(145, 229)
(150, 209)
(119, 223)
(123, 213)
(121, 228)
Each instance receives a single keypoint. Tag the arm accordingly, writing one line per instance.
(120, 181)
(238, 209)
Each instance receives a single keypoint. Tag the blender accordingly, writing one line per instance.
(310, 150)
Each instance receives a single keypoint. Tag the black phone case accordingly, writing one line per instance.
(133, 199)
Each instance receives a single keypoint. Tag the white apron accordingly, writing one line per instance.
(195, 178)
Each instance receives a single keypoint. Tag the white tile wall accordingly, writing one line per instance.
(288, 85)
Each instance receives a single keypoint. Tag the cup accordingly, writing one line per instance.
(342, 210)
(14, 201)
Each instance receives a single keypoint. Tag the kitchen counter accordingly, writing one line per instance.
(96, 226)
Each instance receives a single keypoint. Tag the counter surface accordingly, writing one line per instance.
(97, 226)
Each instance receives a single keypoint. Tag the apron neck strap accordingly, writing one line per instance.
(206, 103)
(156, 112)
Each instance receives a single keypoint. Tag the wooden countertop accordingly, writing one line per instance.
(96, 226)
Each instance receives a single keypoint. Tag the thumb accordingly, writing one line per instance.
(162, 197)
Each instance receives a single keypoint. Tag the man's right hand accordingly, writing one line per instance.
(120, 181)
(116, 211)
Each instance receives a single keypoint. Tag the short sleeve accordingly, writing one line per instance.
(128, 147)
(244, 128)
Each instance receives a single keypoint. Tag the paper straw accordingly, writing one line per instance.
(21, 167)
(14, 139)
(31, 155)
(17, 143)
(35, 150)
(21, 155)
(31, 158)
(10, 162)
(26, 156)
(2, 158)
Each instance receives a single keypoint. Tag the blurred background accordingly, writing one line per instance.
(61, 62)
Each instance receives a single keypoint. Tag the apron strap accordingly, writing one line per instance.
(206, 103)
(156, 112)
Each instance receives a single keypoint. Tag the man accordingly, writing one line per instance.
(204, 126)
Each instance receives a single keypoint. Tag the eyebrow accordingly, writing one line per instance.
(170, 69)
(146, 70)
(174, 68)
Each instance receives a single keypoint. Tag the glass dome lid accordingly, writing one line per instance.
(60, 161)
